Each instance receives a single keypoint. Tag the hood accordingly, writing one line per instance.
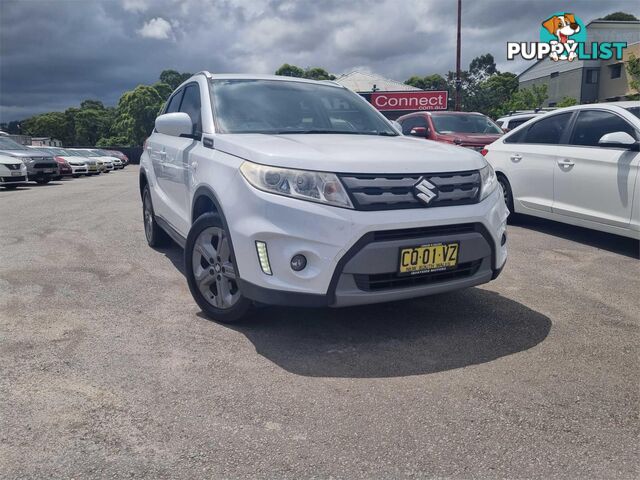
(8, 160)
(349, 153)
(470, 138)
(26, 153)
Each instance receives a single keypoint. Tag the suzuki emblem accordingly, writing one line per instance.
(425, 191)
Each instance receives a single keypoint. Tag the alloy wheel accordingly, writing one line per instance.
(213, 268)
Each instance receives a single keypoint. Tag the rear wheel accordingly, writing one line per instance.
(10, 187)
(76, 175)
(211, 272)
(156, 237)
(43, 181)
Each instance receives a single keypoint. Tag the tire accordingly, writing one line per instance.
(156, 237)
(75, 176)
(10, 187)
(43, 181)
(508, 194)
(209, 255)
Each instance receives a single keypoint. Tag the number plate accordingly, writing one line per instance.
(48, 170)
(16, 174)
(433, 257)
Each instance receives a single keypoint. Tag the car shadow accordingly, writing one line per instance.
(593, 238)
(416, 337)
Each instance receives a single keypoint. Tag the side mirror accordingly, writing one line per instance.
(419, 132)
(618, 140)
(176, 124)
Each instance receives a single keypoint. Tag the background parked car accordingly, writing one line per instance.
(41, 167)
(76, 158)
(471, 130)
(577, 165)
(515, 119)
(107, 160)
(72, 165)
(64, 169)
(12, 172)
(123, 158)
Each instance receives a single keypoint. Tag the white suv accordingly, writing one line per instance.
(577, 165)
(293, 192)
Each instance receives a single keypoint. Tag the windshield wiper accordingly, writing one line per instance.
(327, 131)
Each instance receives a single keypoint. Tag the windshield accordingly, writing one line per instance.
(464, 124)
(277, 107)
(635, 111)
(86, 153)
(8, 144)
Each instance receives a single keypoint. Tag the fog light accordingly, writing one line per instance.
(298, 262)
(263, 257)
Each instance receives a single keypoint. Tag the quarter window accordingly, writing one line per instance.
(593, 124)
(191, 106)
(548, 130)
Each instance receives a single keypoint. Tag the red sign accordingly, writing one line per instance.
(429, 100)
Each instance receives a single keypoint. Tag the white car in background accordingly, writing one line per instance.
(104, 163)
(12, 172)
(77, 164)
(577, 165)
(513, 120)
(117, 163)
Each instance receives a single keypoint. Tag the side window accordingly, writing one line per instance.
(593, 124)
(191, 106)
(548, 130)
(411, 122)
(174, 103)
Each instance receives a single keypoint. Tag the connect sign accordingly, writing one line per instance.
(431, 100)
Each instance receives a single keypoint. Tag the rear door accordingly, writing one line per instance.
(596, 183)
(176, 161)
(528, 159)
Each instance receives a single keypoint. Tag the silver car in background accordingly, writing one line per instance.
(41, 167)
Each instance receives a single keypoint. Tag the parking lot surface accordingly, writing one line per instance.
(110, 370)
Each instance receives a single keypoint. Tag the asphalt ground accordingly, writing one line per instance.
(109, 369)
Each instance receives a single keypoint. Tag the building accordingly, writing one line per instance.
(45, 142)
(588, 81)
(391, 97)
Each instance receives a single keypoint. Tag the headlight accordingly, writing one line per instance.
(489, 181)
(312, 186)
(26, 159)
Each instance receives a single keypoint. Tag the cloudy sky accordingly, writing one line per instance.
(55, 53)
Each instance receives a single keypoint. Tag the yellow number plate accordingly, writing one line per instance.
(433, 257)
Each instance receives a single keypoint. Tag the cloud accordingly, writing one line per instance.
(157, 28)
(101, 48)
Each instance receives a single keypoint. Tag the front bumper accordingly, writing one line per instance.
(42, 173)
(352, 256)
(13, 179)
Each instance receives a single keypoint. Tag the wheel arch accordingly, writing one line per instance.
(143, 181)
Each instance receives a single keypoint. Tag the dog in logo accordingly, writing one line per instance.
(562, 27)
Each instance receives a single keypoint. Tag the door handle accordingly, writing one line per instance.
(565, 162)
(516, 157)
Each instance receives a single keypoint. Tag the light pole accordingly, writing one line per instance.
(458, 81)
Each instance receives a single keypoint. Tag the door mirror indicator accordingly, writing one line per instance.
(618, 140)
(176, 124)
(419, 132)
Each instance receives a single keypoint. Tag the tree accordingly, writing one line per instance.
(633, 70)
(287, 70)
(528, 98)
(136, 114)
(173, 78)
(87, 104)
(51, 124)
(312, 73)
(567, 102)
(482, 67)
(163, 89)
(620, 17)
(495, 93)
(428, 82)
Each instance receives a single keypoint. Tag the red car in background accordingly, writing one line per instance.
(120, 155)
(471, 130)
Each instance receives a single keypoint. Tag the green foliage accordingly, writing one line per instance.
(428, 82)
(567, 102)
(173, 78)
(51, 124)
(312, 73)
(633, 70)
(118, 140)
(136, 114)
(163, 89)
(528, 98)
(620, 16)
(481, 68)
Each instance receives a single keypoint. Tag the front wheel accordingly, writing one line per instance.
(43, 181)
(10, 187)
(211, 272)
(507, 193)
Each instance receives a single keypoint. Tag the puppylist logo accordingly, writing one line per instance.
(563, 36)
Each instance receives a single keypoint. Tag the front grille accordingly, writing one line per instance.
(387, 281)
(12, 166)
(14, 179)
(420, 232)
(396, 191)
(46, 165)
